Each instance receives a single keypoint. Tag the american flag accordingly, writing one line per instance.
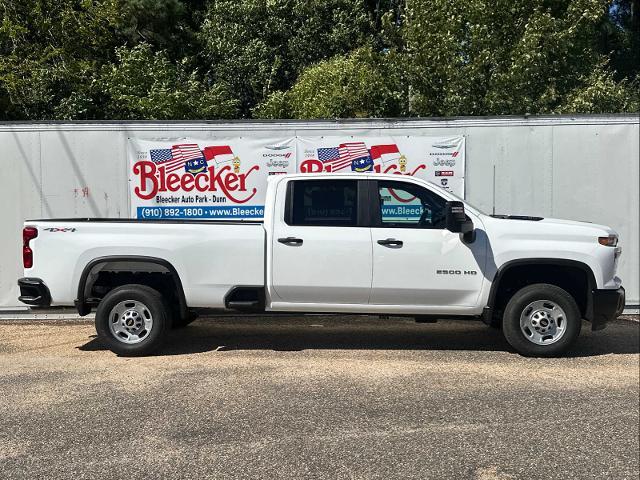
(341, 157)
(187, 156)
(191, 156)
(328, 155)
(160, 155)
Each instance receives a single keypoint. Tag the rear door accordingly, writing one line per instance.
(321, 246)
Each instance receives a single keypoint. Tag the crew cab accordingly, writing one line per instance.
(335, 243)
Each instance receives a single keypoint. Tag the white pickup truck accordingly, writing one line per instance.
(352, 243)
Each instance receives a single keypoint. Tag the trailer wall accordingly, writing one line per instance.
(581, 168)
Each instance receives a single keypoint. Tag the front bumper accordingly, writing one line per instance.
(34, 292)
(606, 305)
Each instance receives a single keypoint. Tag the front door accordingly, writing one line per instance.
(320, 252)
(416, 261)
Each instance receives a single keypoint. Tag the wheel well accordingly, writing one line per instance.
(575, 278)
(103, 275)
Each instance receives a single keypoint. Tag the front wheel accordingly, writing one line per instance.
(541, 320)
(132, 320)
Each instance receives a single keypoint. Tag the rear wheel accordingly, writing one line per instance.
(132, 320)
(541, 320)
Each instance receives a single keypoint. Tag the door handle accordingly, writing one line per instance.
(291, 241)
(390, 242)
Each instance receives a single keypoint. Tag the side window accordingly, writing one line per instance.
(407, 205)
(323, 203)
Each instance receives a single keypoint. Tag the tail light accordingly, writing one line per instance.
(28, 234)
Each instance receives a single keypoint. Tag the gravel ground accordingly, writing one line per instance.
(317, 397)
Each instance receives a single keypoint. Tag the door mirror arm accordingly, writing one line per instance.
(469, 237)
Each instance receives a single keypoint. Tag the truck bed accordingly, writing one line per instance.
(138, 220)
(234, 250)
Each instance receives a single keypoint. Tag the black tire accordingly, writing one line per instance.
(522, 300)
(179, 322)
(155, 307)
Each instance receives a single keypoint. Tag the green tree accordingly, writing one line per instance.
(619, 37)
(169, 25)
(261, 46)
(361, 84)
(601, 93)
(474, 57)
(145, 84)
(52, 52)
(94, 59)
(49, 53)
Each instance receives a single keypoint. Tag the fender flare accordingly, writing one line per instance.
(562, 262)
(81, 303)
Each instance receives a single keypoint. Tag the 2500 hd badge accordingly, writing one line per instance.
(456, 272)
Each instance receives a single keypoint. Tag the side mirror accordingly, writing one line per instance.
(455, 218)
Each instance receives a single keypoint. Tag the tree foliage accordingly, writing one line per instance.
(262, 46)
(49, 53)
(471, 57)
(145, 84)
(360, 84)
(200, 59)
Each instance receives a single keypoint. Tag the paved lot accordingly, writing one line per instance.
(317, 398)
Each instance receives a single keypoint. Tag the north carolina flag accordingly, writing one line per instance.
(219, 153)
(191, 155)
(185, 155)
(386, 153)
(341, 157)
(349, 153)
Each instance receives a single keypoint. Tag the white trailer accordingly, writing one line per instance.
(575, 167)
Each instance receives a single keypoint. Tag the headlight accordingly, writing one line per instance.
(610, 241)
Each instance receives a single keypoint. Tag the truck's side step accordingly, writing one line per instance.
(244, 304)
(245, 298)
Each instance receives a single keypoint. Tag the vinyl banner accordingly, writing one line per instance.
(437, 159)
(201, 179)
(227, 178)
